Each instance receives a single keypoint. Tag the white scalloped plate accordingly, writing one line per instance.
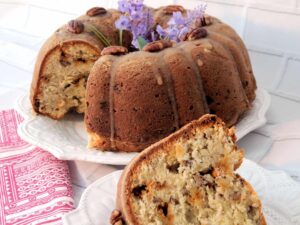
(66, 139)
(280, 196)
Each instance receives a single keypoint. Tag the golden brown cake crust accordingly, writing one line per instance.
(251, 190)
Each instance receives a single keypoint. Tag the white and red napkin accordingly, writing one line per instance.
(35, 187)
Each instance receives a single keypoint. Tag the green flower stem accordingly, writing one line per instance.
(141, 42)
(121, 37)
(98, 34)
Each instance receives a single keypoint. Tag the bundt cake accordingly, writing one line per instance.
(136, 99)
(65, 60)
(188, 178)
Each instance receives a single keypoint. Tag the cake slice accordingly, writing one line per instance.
(66, 58)
(188, 178)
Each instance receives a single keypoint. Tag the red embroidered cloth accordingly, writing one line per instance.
(35, 187)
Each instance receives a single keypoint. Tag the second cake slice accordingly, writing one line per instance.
(188, 178)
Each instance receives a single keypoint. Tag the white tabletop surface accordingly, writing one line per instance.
(270, 29)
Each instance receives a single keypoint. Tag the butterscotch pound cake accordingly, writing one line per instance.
(219, 67)
(188, 178)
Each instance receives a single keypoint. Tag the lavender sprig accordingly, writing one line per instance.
(139, 21)
(197, 14)
(98, 34)
(136, 18)
(179, 26)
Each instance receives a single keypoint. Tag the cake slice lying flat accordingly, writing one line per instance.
(188, 178)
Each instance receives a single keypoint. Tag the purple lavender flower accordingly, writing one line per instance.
(197, 14)
(139, 20)
(176, 30)
(123, 6)
(161, 31)
(177, 19)
(123, 23)
(182, 33)
(173, 33)
(179, 26)
(136, 19)
(137, 5)
(153, 36)
(136, 15)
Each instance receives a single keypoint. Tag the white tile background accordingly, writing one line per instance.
(270, 29)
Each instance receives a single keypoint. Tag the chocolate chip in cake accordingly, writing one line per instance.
(64, 63)
(137, 191)
(81, 60)
(251, 211)
(174, 167)
(76, 81)
(163, 208)
(63, 59)
(66, 86)
(206, 171)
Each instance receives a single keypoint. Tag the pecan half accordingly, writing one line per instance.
(75, 26)
(196, 34)
(96, 11)
(114, 50)
(116, 217)
(157, 46)
(173, 8)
